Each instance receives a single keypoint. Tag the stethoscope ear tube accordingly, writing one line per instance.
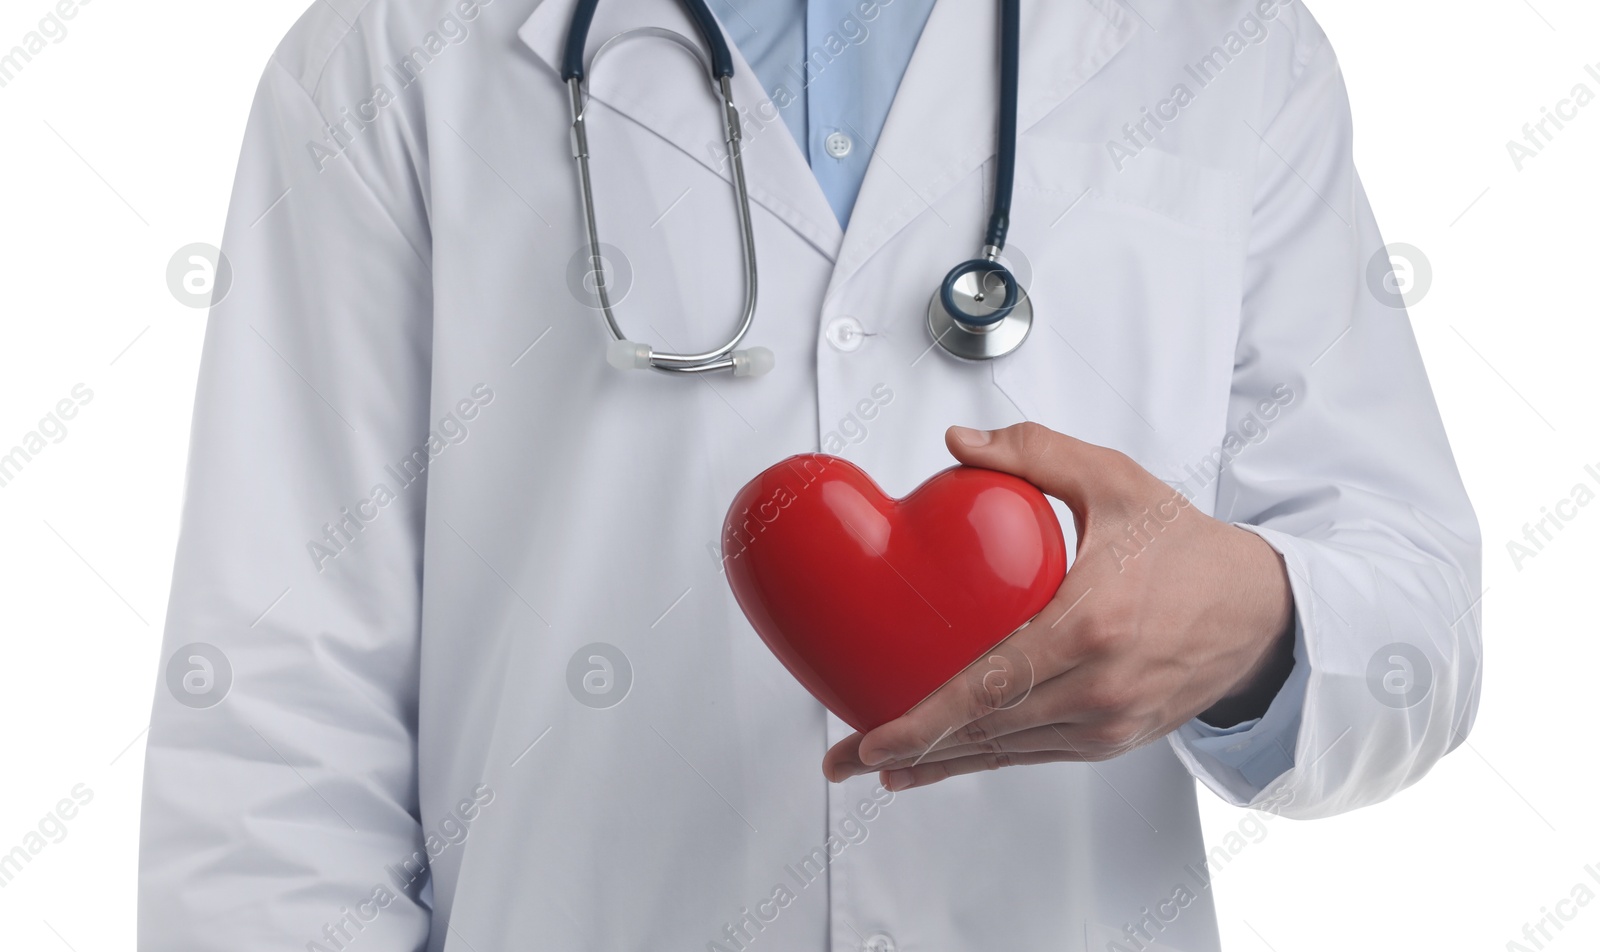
(583, 17)
(623, 353)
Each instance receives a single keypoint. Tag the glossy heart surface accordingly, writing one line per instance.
(872, 602)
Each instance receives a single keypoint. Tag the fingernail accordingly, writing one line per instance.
(896, 780)
(876, 759)
(970, 437)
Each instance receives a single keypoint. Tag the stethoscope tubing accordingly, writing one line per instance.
(1006, 152)
(720, 358)
(987, 266)
(719, 67)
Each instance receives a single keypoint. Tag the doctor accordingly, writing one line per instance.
(450, 663)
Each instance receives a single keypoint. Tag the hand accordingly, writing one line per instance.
(1165, 614)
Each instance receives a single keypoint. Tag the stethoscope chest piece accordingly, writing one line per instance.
(979, 312)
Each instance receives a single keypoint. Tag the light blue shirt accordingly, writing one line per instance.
(832, 68)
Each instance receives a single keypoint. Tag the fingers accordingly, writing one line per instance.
(843, 759)
(916, 733)
(1091, 711)
(995, 686)
(1029, 680)
(925, 773)
(1092, 739)
(1029, 740)
(1069, 469)
(1052, 743)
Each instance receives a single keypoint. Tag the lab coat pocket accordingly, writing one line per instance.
(1134, 277)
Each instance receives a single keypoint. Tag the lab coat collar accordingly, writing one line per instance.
(940, 128)
(942, 123)
(631, 81)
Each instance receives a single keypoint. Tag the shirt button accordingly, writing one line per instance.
(838, 145)
(845, 334)
(878, 942)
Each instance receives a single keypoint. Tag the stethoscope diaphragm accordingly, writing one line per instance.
(980, 311)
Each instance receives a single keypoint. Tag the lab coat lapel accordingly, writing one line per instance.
(648, 83)
(942, 123)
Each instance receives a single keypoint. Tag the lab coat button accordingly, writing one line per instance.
(838, 145)
(845, 333)
(878, 942)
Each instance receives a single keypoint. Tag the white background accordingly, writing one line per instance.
(117, 147)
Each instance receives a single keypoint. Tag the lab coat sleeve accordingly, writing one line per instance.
(1346, 472)
(280, 794)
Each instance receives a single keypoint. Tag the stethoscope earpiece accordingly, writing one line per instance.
(754, 362)
(632, 355)
(628, 355)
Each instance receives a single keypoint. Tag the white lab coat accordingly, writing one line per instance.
(416, 689)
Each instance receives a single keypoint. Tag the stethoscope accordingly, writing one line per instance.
(979, 311)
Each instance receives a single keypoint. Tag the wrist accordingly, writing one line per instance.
(1268, 625)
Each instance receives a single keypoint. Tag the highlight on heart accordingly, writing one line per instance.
(872, 602)
(745, 524)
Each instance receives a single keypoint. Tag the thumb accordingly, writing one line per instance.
(1075, 472)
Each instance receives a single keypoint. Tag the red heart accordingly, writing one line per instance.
(873, 603)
